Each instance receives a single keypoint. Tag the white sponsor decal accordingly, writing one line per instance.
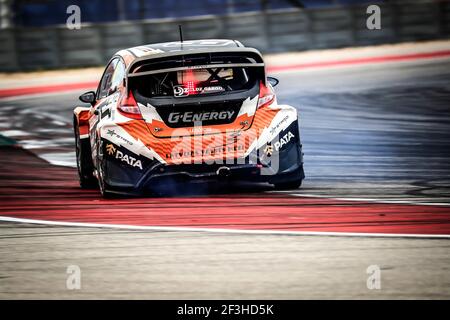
(136, 147)
(189, 116)
(184, 91)
(141, 51)
(284, 140)
(199, 43)
(128, 159)
(276, 127)
(113, 133)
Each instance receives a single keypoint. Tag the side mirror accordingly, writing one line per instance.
(273, 81)
(88, 97)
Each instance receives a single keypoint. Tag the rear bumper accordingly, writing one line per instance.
(126, 180)
(247, 173)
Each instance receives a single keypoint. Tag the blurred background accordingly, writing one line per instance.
(34, 34)
(48, 12)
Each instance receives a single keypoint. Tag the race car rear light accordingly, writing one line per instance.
(266, 96)
(189, 82)
(129, 108)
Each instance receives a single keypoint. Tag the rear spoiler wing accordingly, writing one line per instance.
(252, 53)
(138, 74)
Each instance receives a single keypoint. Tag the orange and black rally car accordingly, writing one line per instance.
(193, 110)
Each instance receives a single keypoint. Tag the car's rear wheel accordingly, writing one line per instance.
(84, 160)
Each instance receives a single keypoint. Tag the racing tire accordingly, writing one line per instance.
(84, 161)
(291, 185)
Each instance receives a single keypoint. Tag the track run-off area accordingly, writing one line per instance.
(375, 136)
(38, 192)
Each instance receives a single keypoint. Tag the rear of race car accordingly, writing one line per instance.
(198, 117)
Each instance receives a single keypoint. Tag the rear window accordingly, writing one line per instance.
(195, 82)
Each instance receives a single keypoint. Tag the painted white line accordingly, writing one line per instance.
(221, 230)
(61, 120)
(14, 133)
(59, 123)
(64, 159)
(386, 201)
(7, 108)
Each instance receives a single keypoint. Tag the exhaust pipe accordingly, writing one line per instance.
(223, 172)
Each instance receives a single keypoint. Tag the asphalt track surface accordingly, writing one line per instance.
(377, 162)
